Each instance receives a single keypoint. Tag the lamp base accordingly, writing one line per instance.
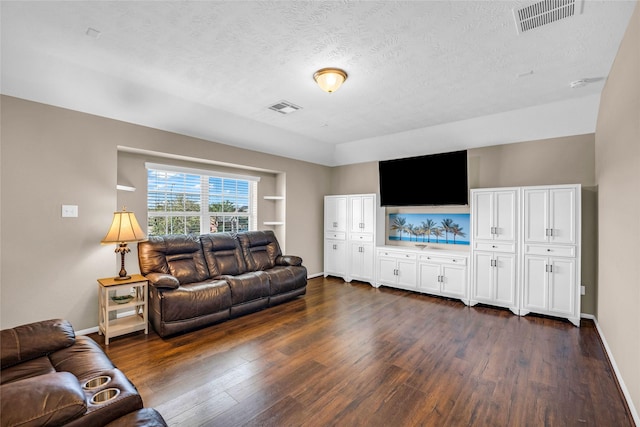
(122, 278)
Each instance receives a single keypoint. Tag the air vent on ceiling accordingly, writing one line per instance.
(284, 107)
(545, 12)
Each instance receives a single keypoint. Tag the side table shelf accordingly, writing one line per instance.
(128, 317)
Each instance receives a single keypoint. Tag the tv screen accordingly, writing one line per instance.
(438, 179)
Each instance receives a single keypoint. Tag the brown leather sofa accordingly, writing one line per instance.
(200, 280)
(51, 377)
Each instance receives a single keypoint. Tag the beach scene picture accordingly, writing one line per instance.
(451, 229)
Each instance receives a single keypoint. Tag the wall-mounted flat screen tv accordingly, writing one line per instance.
(438, 179)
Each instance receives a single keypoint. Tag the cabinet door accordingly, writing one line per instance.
(335, 213)
(536, 208)
(428, 278)
(505, 215)
(454, 280)
(562, 215)
(386, 271)
(505, 279)
(335, 257)
(483, 276)
(407, 272)
(361, 261)
(483, 215)
(361, 214)
(562, 285)
(535, 283)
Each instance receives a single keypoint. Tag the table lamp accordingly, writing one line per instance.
(124, 229)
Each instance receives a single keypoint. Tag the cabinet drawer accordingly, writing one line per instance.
(399, 255)
(444, 259)
(495, 247)
(361, 237)
(567, 251)
(336, 236)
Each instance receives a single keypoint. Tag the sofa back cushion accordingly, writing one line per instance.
(177, 254)
(34, 340)
(260, 249)
(223, 254)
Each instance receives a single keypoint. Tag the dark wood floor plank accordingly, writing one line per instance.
(349, 354)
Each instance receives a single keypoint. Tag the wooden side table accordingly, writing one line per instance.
(129, 316)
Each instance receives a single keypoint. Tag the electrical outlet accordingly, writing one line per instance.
(69, 211)
(583, 290)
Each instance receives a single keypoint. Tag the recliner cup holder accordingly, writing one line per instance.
(96, 382)
(105, 395)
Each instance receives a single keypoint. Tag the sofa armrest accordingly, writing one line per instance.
(163, 280)
(50, 399)
(34, 340)
(288, 260)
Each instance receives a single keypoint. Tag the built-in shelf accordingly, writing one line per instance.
(274, 197)
(273, 223)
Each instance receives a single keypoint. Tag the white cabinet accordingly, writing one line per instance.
(494, 214)
(362, 213)
(494, 279)
(350, 219)
(335, 257)
(361, 261)
(494, 245)
(550, 287)
(443, 275)
(551, 251)
(526, 249)
(397, 269)
(550, 214)
(335, 213)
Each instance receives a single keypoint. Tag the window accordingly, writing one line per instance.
(183, 201)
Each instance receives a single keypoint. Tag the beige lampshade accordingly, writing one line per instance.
(124, 228)
(330, 79)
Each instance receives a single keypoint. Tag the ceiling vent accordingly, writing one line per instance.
(545, 12)
(285, 107)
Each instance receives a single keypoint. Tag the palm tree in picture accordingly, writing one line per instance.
(413, 231)
(427, 229)
(437, 232)
(456, 230)
(446, 226)
(399, 224)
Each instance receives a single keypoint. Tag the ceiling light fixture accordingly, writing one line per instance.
(330, 79)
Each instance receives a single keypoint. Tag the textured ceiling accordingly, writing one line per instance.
(424, 76)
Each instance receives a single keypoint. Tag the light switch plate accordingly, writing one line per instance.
(69, 211)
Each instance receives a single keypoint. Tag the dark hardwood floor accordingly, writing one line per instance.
(351, 355)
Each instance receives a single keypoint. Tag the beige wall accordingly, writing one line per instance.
(51, 156)
(568, 160)
(618, 175)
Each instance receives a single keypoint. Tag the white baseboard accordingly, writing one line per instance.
(623, 387)
(313, 276)
(87, 331)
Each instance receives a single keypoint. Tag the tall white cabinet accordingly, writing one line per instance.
(351, 234)
(526, 249)
(551, 251)
(494, 251)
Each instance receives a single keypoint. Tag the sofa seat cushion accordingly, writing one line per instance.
(146, 417)
(285, 279)
(32, 368)
(81, 359)
(194, 299)
(248, 286)
(47, 400)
